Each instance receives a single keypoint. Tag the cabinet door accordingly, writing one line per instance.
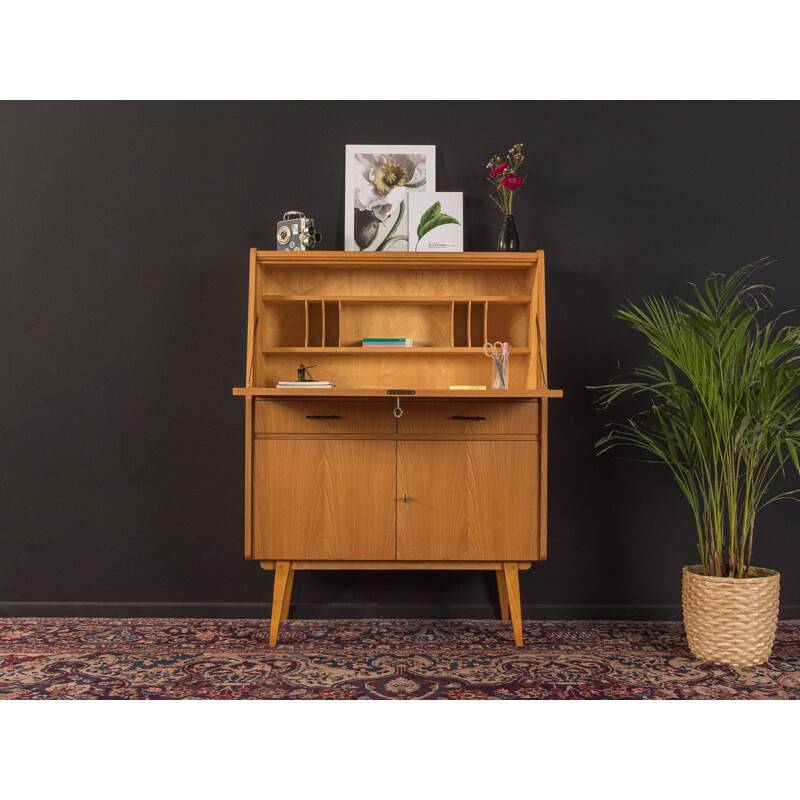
(324, 499)
(468, 500)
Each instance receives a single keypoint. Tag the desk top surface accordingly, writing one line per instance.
(443, 394)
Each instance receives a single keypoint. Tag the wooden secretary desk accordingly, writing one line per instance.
(339, 478)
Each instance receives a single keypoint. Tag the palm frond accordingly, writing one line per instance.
(722, 405)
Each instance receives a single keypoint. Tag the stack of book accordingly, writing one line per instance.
(305, 385)
(387, 342)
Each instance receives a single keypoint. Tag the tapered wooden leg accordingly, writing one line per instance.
(503, 592)
(282, 570)
(511, 571)
(288, 594)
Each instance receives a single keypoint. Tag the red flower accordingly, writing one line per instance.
(511, 182)
(499, 169)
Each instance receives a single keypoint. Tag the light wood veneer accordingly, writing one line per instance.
(333, 479)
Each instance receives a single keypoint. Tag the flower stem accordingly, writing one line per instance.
(389, 241)
(390, 238)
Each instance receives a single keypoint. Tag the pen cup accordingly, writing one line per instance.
(500, 373)
(499, 353)
(498, 382)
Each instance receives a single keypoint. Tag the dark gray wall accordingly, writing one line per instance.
(124, 231)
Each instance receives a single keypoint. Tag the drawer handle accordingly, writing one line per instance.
(457, 416)
(323, 416)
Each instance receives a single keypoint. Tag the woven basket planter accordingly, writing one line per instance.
(731, 621)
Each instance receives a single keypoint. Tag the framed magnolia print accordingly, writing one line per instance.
(378, 179)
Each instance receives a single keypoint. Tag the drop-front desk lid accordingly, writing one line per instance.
(493, 394)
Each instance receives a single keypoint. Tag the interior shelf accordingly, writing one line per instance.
(395, 351)
(410, 300)
(381, 392)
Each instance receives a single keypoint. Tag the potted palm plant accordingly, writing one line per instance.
(722, 411)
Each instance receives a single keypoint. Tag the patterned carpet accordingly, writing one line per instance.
(374, 659)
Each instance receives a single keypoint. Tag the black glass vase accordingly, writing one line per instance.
(508, 239)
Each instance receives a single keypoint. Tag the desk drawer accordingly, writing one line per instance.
(470, 417)
(323, 416)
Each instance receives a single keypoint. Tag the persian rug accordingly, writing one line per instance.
(171, 659)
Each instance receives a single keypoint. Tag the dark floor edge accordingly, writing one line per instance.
(350, 611)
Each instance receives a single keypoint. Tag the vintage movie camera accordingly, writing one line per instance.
(296, 232)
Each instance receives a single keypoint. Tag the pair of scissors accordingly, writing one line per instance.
(497, 352)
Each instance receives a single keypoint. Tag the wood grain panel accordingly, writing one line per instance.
(347, 282)
(412, 370)
(443, 417)
(248, 476)
(477, 324)
(315, 323)
(507, 323)
(283, 324)
(379, 393)
(460, 324)
(331, 323)
(316, 416)
(541, 322)
(472, 500)
(335, 259)
(427, 324)
(324, 499)
(543, 484)
(250, 377)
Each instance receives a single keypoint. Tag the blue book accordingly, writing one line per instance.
(387, 342)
